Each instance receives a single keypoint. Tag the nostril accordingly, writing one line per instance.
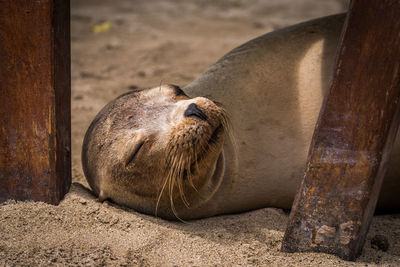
(194, 111)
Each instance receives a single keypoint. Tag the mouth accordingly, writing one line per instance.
(213, 141)
(215, 136)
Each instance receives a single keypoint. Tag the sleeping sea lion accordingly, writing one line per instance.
(233, 140)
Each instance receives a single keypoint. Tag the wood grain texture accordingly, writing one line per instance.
(35, 161)
(353, 136)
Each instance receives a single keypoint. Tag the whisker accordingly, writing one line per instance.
(171, 191)
(179, 179)
(189, 173)
(161, 193)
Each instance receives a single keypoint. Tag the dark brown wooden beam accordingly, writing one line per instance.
(353, 136)
(35, 133)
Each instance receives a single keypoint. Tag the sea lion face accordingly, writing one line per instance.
(157, 150)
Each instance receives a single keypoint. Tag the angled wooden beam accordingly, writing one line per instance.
(35, 133)
(353, 136)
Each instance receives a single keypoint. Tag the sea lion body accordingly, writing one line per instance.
(272, 88)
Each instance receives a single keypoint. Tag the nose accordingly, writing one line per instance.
(194, 111)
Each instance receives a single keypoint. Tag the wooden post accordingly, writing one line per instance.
(353, 136)
(35, 133)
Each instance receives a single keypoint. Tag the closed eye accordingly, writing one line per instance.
(133, 156)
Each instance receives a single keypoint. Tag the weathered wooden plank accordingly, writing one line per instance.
(35, 122)
(353, 136)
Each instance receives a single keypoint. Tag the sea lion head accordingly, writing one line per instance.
(157, 151)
